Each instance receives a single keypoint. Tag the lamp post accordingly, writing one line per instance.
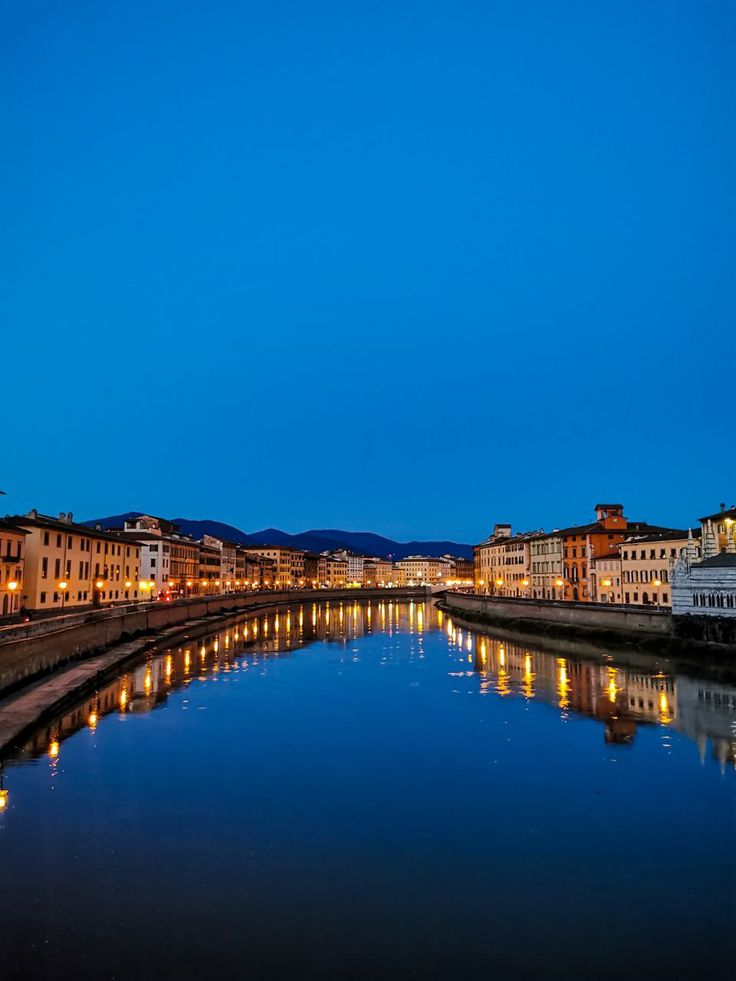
(63, 586)
(560, 584)
(656, 583)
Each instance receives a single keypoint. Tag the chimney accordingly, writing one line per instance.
(69, 517)
(33, 513)
(723, 506)
(62, 516)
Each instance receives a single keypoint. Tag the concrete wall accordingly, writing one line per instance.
(588, 616)
(31, 649)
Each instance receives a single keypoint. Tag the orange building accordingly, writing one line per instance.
(583, 543)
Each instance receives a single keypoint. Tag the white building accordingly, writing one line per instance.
(706, 588)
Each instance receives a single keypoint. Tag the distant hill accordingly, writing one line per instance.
(316, 540)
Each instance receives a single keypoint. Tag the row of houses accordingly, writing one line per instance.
(51, 564)
(609, 560)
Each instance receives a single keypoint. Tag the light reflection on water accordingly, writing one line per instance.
(367, 807)
(621, 698)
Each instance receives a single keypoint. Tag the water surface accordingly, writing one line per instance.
(373, 791)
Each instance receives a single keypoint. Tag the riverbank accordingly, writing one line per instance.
(652, 630)
(29, 701)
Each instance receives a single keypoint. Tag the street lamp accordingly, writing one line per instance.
(656, 583)
(12, 586)
(63, 586)
(559, 583)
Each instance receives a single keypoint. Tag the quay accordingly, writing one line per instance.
(652, 628)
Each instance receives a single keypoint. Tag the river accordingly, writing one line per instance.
(371, 790)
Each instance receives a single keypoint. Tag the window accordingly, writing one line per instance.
(45, 567)
(42, 597)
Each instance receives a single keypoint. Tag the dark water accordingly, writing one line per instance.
(354, 792)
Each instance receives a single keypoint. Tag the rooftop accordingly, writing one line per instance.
(724, 560)
(721, 515)
(63, 523)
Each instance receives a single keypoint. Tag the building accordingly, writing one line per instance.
(228, 561)
(706, 588)
(208, 574)
(332, 571)
(546, 568)
(717, 531)
(288, 564)
(355, 563)
(378, 572)
(605, 578)
(248, 569)
(69, 565)
(503, 563)
(12, 561)
(311, 568)
(646, 566)
(425, 569)
(583, 543)
(169, 559)
(461, 570)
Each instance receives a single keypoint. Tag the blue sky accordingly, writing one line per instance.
(406, 267)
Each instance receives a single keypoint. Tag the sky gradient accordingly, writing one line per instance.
(406, 267)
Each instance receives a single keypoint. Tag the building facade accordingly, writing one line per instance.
(546, 569)
(646, 566)
(12, 562)
(68, 565)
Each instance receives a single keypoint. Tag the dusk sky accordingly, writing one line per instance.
(411, 268)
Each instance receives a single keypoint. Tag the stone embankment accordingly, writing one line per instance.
(30, 650)
(651, 628)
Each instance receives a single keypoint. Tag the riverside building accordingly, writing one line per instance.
(288, 564)
(68, 565)
(12, 561)
(425, 569)
(647, 562)
(169, 559)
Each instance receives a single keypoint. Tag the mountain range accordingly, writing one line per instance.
(315, 540)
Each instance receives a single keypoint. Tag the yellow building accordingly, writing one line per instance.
(68, 565)
(605, 578)
(332, 571)
(12, 561)
(378, 572)
(503, 563)
(288, 564)
(646, 566)
(425, 569)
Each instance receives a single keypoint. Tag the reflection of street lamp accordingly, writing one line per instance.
(3, 792)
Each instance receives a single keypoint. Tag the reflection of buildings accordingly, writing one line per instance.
(619, 697)
(707, 712)
(248, 640)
